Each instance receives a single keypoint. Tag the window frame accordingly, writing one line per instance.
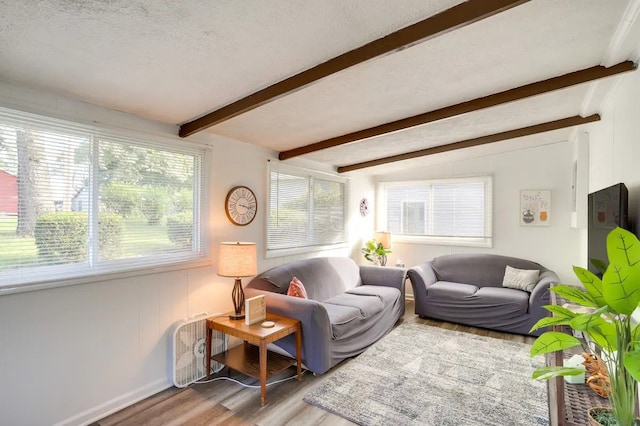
(308, 174)
(86, 272)
(486, 241)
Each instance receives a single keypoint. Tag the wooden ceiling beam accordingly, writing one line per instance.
(451, 19)
(483, 140)
(518, 93)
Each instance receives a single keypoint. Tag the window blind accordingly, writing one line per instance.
(80, 200)
(454, 209)
(306, 209)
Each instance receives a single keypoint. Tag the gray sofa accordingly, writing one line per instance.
(467, 289)
(349, 307)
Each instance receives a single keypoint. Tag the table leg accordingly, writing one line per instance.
(263, 372)
(299, 350)
(207, 354)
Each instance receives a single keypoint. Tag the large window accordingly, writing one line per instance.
(78, 200)
(306, 209)
(448, 211)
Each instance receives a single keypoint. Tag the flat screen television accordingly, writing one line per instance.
(608, 209)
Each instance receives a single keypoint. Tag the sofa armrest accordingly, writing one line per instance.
(387, 276)
(316, 327)
(540, 295)
(422, 277)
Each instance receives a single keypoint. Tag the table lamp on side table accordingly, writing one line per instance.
(237, 260)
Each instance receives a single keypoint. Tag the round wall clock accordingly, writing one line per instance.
(364, 207)
(241, 205)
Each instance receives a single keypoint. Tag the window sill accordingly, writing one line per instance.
(302, 250)
(98, 277)
(444, 241)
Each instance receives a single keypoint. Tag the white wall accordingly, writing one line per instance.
(71, 355)
(557, 247)
(614, 149)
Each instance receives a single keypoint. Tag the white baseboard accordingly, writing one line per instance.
(100, 411)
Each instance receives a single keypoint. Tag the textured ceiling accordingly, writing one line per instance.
(174, 61)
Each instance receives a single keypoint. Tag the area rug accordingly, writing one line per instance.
(423, 375)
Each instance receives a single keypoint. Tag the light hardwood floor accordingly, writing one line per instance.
(226, 403)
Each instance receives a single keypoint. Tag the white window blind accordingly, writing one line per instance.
(78, 200)
(451, 211)
(306, 209)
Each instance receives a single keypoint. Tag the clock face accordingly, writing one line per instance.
(241, 205)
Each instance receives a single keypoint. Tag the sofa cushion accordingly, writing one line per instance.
(481, 270)
(520, 279)
(506, 300)
(385, 294)
(368, 305)
(449, 290)
(340, 318)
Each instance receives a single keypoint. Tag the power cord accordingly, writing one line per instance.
(245, 384)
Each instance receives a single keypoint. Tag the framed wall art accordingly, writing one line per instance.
(535, 207)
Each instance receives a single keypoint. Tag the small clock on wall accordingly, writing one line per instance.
(241, 205)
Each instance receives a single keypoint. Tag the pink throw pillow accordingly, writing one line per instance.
(296, 289)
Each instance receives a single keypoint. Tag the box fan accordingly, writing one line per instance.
(189, 347)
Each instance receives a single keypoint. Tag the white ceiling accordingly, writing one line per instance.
(174, 61)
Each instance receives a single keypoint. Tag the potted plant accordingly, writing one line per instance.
(609, 326)
(375, 252)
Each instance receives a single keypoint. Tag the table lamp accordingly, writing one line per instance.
(237, 260)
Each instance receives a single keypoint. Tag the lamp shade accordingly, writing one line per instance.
(384, 238)
(237, 260)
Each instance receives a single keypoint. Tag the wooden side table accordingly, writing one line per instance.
(251, 357)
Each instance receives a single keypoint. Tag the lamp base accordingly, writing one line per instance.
(236, 316)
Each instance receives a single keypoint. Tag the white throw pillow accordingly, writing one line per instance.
(521, 279)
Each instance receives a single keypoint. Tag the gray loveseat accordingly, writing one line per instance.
(467, 289)
(349, 306)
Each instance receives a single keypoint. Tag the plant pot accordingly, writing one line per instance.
(596, 411)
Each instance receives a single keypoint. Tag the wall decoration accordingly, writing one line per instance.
(535, 207)
(606, 209)
(364, 207)
(241, 205)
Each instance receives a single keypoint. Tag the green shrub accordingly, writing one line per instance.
(179, 229)
(121, 198)
(62, 237)
(153, 204)
(183, 200)
(110, 227)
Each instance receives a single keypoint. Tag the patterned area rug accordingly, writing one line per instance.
(423, 375)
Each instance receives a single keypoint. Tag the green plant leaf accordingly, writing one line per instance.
(552, 341)
(546, 373)
(575, 294)
(632, 364)
(561, 316)
(588, 321)
(591, 283)
(605, 337)
(548, 322)
(560, 311)
(603, 333)
(599, 264)
(621, 281)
